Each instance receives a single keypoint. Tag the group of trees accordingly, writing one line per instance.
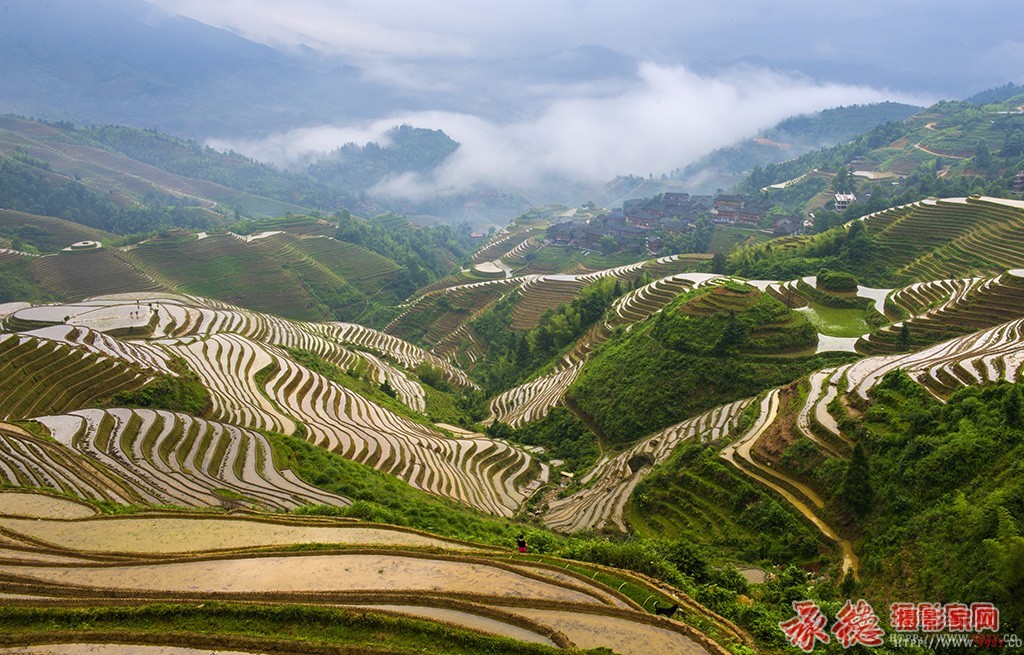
(405, 149)
(30, 188)
(328, 185)
(935, 491)
(191, 159)
(696, 240)
(424, 253)
(849, 250)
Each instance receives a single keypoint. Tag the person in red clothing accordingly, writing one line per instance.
(521, 543)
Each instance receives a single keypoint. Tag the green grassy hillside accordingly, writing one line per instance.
(936, 507)
(709, 347)
(141, 166)
(44, 234)
(81, 274)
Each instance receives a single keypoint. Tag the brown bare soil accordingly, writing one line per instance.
(20, 503)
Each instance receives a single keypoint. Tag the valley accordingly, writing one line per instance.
(239, 423)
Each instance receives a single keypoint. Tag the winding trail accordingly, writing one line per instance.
(770, 412)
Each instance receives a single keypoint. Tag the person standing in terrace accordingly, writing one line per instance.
(521, 543)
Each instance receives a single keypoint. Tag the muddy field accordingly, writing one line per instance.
(621, 635)
(161, 535)
(28, 504)
(309, 573)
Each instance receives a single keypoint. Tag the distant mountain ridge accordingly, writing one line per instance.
(127, 62)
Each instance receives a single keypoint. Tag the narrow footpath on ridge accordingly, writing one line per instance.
(742, 448)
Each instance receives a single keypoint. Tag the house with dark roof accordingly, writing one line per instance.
(726, 208)
(784, 226)
(645, 219)
(562, 234)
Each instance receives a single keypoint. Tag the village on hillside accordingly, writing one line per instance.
(644, 224)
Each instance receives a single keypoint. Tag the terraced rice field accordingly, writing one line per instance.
(41, 506)
(533, 400)
(946, 308)
(166, 317)
(650, 299)
(541, 293)
(169, 534)
(403, 352)
(176, 459)
(253, 383)
(432, 317)
(951, 238)
(517, 255)
(43, 376)
(85, 273)
(437, 318)
(258, 273)
(59, 233)
(985, 356)
(603, 504)
(500, 246)
(802, 497)
(364, 269)
(97, 560)
(302, 277)
(33, 462)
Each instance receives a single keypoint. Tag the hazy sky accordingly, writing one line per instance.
(895, 33)
(686, 97)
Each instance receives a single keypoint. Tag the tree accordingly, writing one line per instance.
(856, 489)
(1014, 407)
(718, 263)
(903, 339)
(608, 244)
(982, 155)
(1013, 145)
(733, 336)
(843, 181)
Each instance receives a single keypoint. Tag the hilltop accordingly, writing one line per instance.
(953, 148)
(792, 138)
(301, 267)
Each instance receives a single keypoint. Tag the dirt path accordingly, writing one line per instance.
(937, 154)
(769, 412)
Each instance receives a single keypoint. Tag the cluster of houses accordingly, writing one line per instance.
(640, 223)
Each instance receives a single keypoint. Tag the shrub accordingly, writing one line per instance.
(837, 280)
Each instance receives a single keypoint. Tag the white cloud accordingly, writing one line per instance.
(669, 119)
